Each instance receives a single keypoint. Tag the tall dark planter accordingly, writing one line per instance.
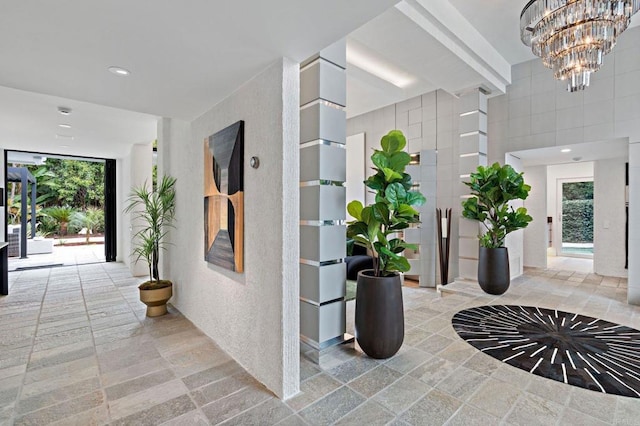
(493, 270)
(379, 314)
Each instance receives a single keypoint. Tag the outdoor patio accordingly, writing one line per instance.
(63, 255)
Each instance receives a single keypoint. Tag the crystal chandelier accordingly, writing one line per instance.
(572, 36)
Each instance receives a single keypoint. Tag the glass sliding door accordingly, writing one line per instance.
(575, 214)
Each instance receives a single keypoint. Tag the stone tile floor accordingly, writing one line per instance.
(67, 255)
(76, 349)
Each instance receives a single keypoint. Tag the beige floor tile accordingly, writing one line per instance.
(533, 410)
(162, 369)
(495, 397)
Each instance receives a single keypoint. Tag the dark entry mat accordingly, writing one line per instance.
(575, 349)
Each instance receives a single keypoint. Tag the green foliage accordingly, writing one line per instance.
(577, 221)
(155, 209)
(492, 188)
(62, 215)
(577, 191)
(393, 210)
(47, 225)
(69, 182)
(92, 220)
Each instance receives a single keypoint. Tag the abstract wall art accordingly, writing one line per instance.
(224, 197)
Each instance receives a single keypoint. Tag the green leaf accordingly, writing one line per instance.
(389, 253)
(401, 265)
(390, 175)
(367, 214)
(380, 159)
(382, 238)
(399, 160)
(406, 210)
(372, 230)
(375, 182)
(399, 226)
(393, 141)
(357, 228)
(395, 194)
(414, 198)
(381, 212)
(355, 209)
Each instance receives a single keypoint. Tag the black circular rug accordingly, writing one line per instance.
(575, 349)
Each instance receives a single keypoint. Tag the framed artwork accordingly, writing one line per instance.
(224, 198)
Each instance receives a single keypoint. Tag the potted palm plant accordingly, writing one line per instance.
(155, 211)
(379, 317)
(492, 188)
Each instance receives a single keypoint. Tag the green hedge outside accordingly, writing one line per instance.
(577, 221)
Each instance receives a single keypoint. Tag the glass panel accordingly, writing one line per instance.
(577, 218)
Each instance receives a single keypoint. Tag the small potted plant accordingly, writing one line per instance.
(379, 317)
(492, 188)
(155, 211)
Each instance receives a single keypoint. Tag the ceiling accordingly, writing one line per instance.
(186, 57)
(591, 151)
(30, 121)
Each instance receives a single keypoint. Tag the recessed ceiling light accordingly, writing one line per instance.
(565, 150)
(65, 146)
(67, 137)
(119, 71)
(64, 110)
(65, 126)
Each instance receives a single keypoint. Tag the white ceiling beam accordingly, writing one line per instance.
(443, 21)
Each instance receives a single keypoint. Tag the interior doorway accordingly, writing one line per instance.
(60, 210)
(575, 217)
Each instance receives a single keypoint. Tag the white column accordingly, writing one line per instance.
(141, 166)
(322, 200)
(473, 153)
(633, 292)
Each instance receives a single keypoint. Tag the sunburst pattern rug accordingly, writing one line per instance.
(571, 348)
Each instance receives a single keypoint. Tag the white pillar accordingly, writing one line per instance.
(633, 292)
(473, 153)
(322, 200)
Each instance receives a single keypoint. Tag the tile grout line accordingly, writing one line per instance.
(189, 391)
(95, 350)
(15, 416)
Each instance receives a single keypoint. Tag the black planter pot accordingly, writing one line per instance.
(493, 270)
(379, 314)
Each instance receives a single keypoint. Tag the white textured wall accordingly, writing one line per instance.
(169, 130)
(609, 217)
(536, 234)
(123, 222)
(140, 168)
(429, 122)
(253, 316)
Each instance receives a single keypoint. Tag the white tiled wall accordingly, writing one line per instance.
(429, 122)
(537, 112)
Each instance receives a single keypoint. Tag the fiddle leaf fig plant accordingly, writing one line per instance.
(375, 225)
(492, 188)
